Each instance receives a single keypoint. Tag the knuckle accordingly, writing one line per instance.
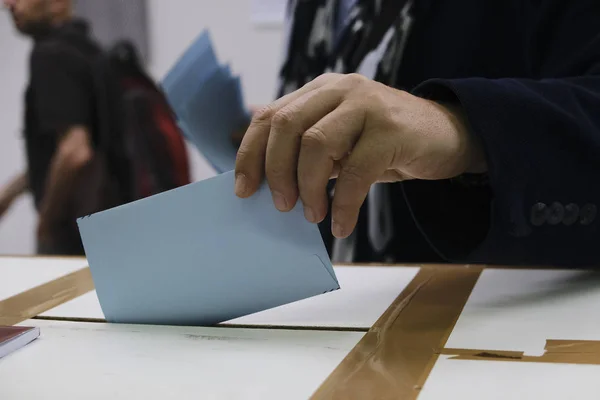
(275, 172)
(314, 137)
(242, 155)
(245, 163)
(355, 79)
(353, 175)
(307, 186)
(336, 91)
(375, 98)
(345, 214)
(283, 118)
(263, 115)
(341, 210)
(329, 76)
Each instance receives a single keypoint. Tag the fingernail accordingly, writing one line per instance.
(309, 214)
(241, 184)
(280, 201)
(337, 230)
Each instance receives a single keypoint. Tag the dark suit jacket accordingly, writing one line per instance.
(527, 73)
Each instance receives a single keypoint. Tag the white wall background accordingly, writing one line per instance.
(253, 52)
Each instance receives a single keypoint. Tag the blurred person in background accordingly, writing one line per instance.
(470, 133)
(59, 123)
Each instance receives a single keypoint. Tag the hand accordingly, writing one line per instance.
(238, 135)
(357, 130)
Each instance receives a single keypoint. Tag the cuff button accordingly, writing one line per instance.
(588, 214)
(556, 214)
(571, 214)
(539, 214)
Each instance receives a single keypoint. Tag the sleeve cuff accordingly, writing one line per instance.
(461, 220)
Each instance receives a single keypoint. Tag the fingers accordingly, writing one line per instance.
(238, 134)
(287, 128)
(322, 145)
(250, 160)
(369, 160)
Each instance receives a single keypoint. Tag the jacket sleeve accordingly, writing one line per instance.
(542, 142)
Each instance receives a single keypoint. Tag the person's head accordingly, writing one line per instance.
(33, 16)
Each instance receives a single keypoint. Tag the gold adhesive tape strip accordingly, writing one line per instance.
(40, 299)
(41, 257)
(486, 266)
(557, 352)
(395, 357)
(573, 346)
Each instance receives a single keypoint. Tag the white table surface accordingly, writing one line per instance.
(512, 310)
(497, 380)
(103, 361)
(366, 292)
(23, 273)
(518, 310)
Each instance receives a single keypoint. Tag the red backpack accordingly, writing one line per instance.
(144, 145)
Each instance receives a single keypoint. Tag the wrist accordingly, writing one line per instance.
(471, 153)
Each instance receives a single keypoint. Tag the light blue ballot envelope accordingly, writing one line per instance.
(199, 255)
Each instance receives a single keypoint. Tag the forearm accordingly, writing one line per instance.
(18, 186)
(65, 173)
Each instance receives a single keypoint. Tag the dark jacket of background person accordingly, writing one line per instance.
(61, 95)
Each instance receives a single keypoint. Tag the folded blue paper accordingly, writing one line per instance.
(221, 114)
(199, 255)
(208, 102)
(193, 67)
